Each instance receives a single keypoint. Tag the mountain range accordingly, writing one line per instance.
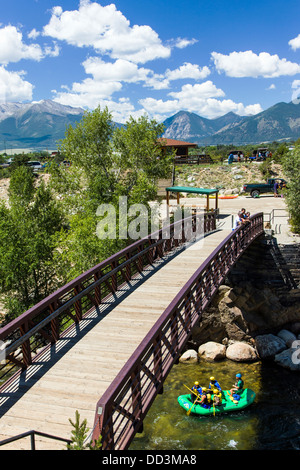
(280, 122)
(39, 125)
(36, 125)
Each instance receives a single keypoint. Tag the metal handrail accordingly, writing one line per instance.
(32, 435)
(120, 411)
(272, 214)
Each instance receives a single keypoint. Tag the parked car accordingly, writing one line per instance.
(268, 187)
(36, 166)
(236, 156)
(260, 154)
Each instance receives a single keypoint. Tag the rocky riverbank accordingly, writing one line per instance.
(255, 315)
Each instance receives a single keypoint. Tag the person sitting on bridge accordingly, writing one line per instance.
(214, 384)
(238, 387)
(245, 216)
(206, 398)
(238, 220)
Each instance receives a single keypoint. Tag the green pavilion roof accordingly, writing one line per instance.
(183, 189)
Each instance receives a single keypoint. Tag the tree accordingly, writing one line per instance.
(88, 146)
(281, 152)
(21, 187)
(291, 166)
(106, 163)
(141, 162)
(79, 435)
(28, 231)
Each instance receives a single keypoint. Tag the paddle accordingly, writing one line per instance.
(197, 396)
(190, 410)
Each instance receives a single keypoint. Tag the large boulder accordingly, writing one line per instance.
(289, 359)
(190, 356)
(241, 352)
(269, 345)
(212, 351)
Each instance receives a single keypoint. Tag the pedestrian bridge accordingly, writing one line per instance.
(104, 343)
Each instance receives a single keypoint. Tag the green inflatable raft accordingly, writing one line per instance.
(228, 404)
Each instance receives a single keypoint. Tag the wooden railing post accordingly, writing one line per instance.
(103, 427)
(157, 362)
(137, 407)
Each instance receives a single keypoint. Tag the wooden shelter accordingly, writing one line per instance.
(181, 147)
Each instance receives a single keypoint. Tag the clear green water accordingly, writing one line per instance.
(271, 422)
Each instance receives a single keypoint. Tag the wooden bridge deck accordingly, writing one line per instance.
(74, 373)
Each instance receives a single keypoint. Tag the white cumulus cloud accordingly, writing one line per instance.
(295, 43)
(120, 70)
(13, 48)
(107, 31)
(181, 43)
(188, 70)
(13, 87)
(249, 64)
(202, 99)
(199, 91)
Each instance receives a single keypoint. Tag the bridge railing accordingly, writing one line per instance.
(49, 320)
(121, 410)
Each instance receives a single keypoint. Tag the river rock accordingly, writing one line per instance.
(212, 351)
(241, 352)
(269, 345)
(190, 356)
(289, 359)
(287, 337)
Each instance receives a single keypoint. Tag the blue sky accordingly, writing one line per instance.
(155, 57)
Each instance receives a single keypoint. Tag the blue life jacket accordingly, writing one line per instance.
(215, 385)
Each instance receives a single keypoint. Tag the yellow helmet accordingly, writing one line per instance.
(196, 383)
(215, 390)
(204, 389)
(212, 378)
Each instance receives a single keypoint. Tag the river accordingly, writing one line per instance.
(272, 422)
